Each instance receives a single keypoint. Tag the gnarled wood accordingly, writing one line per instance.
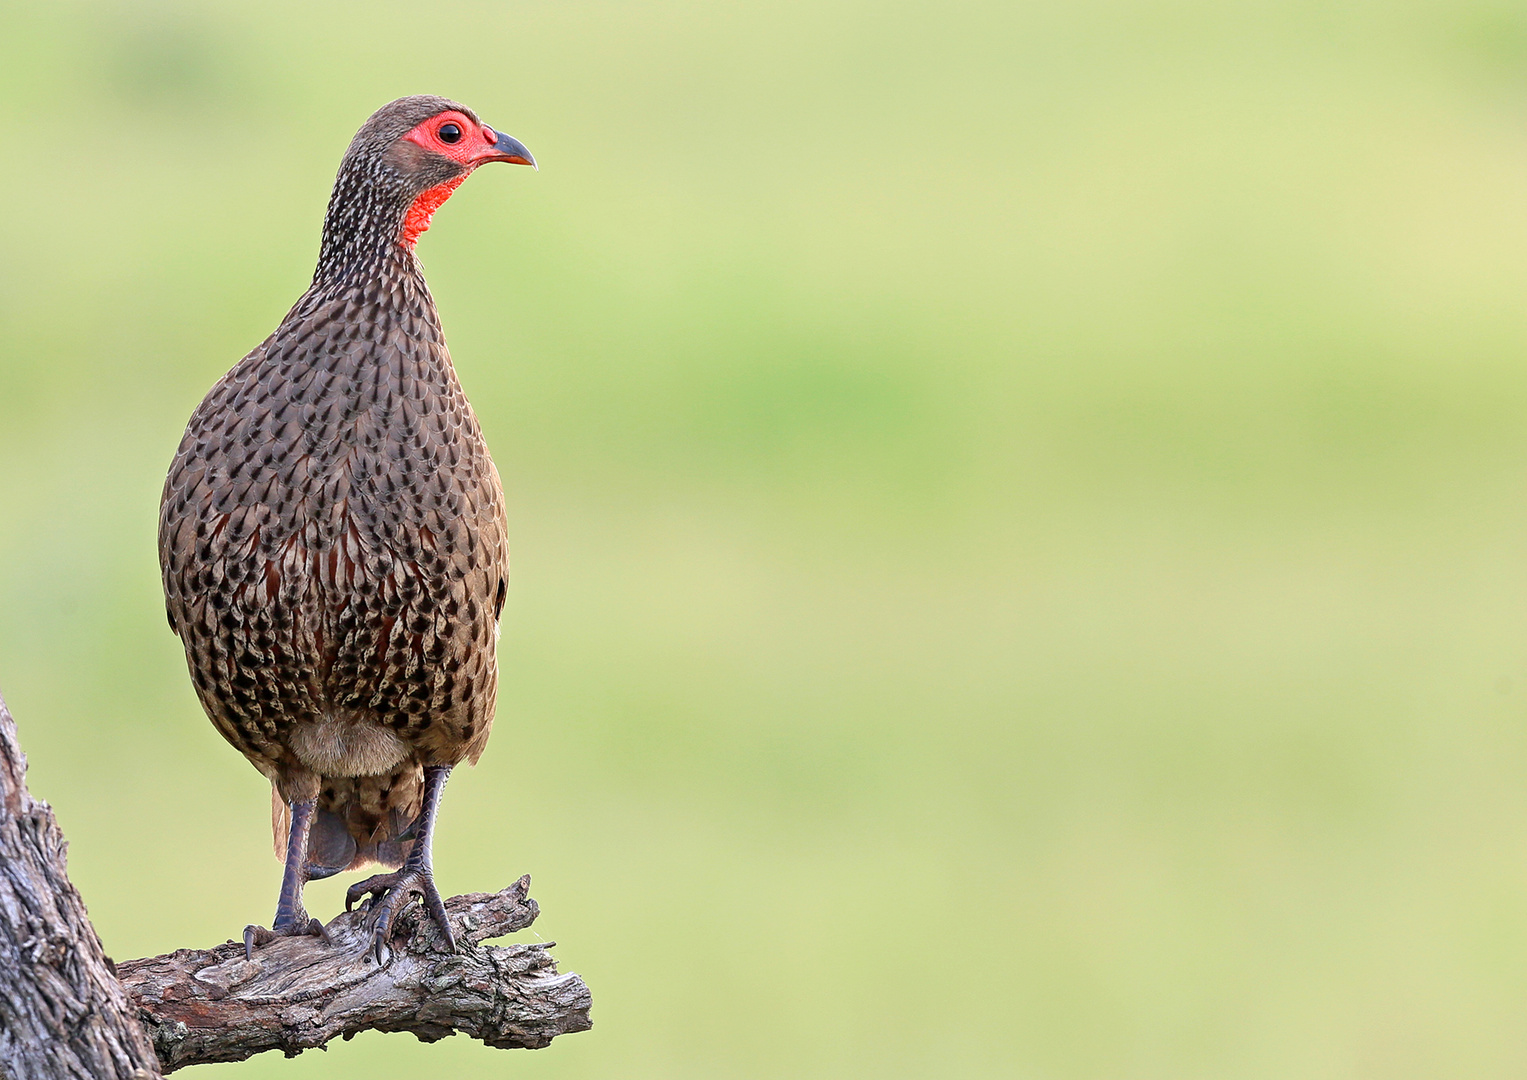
(299, 993)
(65, 1015)
(62, 1012)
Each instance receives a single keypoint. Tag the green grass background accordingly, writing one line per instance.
(1019, 511)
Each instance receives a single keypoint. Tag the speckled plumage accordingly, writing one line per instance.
(332, 531)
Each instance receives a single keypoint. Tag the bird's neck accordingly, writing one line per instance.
(373, 224)
(363, 229)
(354, 257)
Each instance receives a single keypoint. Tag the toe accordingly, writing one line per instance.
(377, 883)
(257, 935)
(437, 913)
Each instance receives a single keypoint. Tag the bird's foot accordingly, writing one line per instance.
(393, 893)
(302, 927)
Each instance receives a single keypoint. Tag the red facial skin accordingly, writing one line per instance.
(474, 148)
(424, 207)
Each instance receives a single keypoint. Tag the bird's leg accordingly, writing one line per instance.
(395, 892)
(291, 919)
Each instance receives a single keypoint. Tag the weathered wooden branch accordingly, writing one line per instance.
(298, 993)
(65, 1012)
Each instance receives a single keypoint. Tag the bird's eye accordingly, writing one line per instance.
(450, 133)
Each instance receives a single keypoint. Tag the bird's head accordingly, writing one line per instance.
(403, 163)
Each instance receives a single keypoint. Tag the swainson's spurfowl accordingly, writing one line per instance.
(332, 537)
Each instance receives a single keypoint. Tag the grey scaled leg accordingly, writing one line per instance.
(291, 918)
(395, 892)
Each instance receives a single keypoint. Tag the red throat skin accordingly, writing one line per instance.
(424, 207)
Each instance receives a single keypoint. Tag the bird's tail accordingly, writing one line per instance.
(360, 821)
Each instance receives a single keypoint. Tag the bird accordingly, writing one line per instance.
(332, 540)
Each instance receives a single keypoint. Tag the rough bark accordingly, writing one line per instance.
(63, 1014)
(299, 993)
(66, 1015)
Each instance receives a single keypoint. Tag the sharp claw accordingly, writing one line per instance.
(258, 935)
(379, 935)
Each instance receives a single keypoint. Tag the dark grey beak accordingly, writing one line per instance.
(510, 149)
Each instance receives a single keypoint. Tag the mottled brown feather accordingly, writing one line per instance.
(332, 534)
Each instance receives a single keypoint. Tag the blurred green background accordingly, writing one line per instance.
(1019, 511)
